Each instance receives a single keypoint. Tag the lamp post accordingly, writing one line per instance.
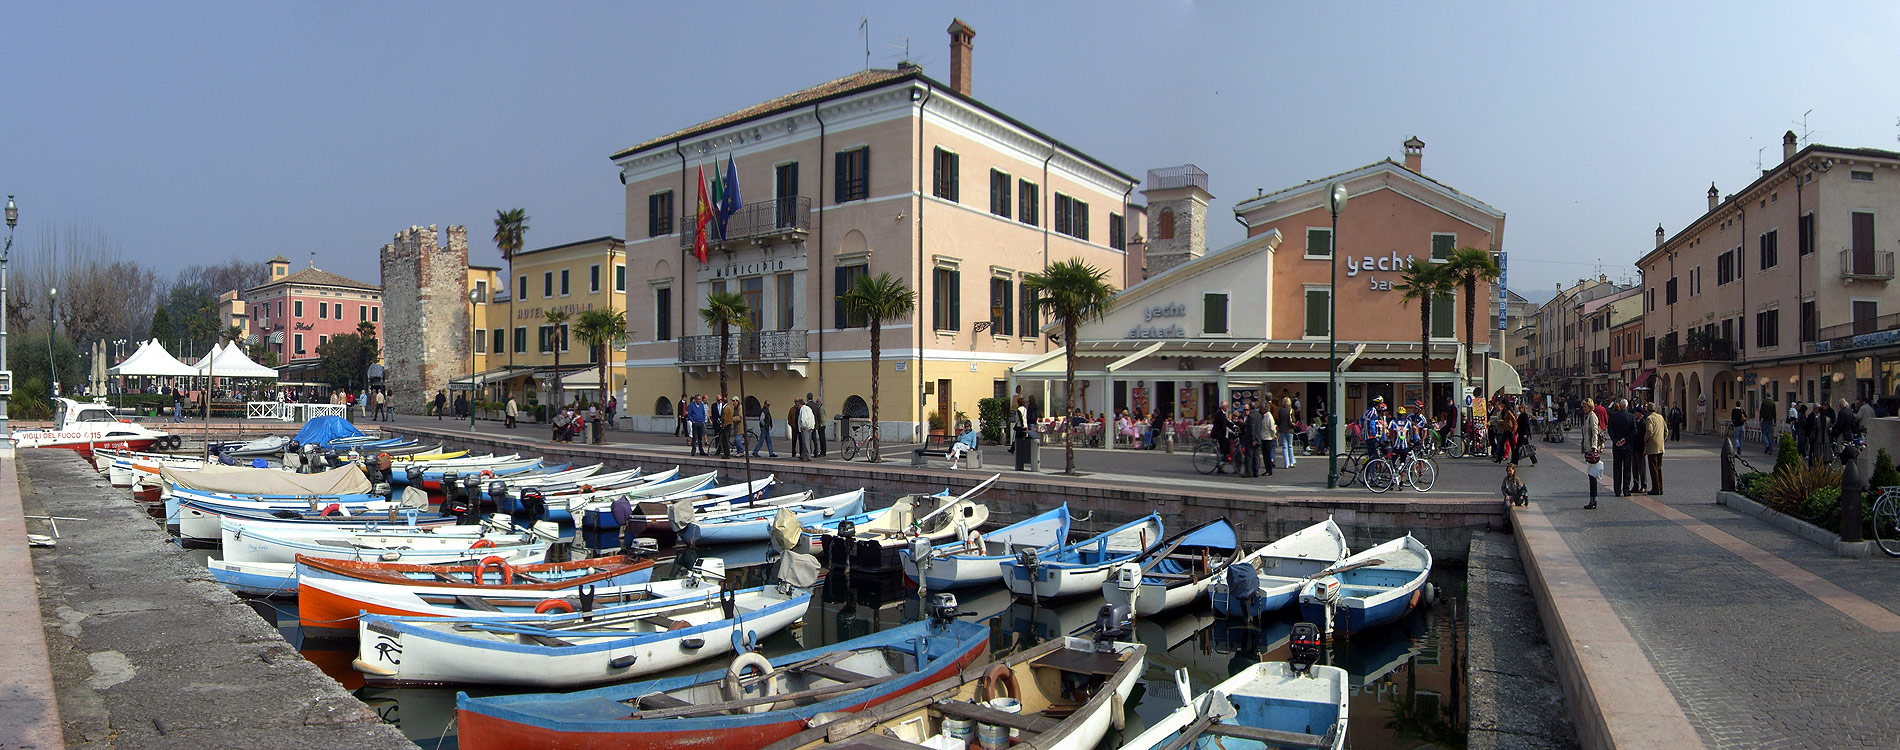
(52, 326)
(1335, 202)
(13, 217)
(474, 298)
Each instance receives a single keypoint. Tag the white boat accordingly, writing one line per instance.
(655, 506)
(84, 427)
(1041, 710)
(1080, 568)
(1373, 588)
(329, 599)
(203, 521)
(1175, 573)
(1269, 578)
(569, 650)
(741, 525)
(1269, 704)
(568, 509)
(874, 542)
(248, 544)
(978, 558)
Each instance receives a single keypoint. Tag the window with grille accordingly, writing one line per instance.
(999, 193)
(944, 185)
(660, 213)
(853, 176)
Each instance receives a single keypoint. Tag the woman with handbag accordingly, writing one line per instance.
(1593, 438)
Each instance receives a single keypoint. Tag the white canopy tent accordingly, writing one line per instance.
(152, 360)
(230, 362)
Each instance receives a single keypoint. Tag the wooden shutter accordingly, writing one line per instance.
(1319, 242)
(956, 300)
(1316, 303)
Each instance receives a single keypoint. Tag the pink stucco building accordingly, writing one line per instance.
(294, 313)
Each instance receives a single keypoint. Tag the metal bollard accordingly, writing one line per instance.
(1728, 466)
(1851, 487)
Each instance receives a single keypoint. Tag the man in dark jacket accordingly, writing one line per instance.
(1675, 422)
(1639, 483)
(1224, 435)
(1250, 424)
(1624, 448)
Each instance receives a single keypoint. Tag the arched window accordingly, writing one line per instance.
(662, 407)
(855, 408)
(1165, 228)
(751, 407)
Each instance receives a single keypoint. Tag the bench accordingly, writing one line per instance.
(939, 446)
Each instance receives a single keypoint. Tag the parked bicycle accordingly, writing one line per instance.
(1208, 457)
(858, 439)
(1400, 468)
(1886, 517)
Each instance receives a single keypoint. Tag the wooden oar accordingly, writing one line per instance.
(1342, 569)
(984, 485)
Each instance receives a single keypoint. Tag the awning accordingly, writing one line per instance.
(490, 377)
(1642, 379)
(1504, 377)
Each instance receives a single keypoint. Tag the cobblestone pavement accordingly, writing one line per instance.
(1736, 629)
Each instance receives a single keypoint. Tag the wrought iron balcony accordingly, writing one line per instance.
(1714, 351)
(1859, 334)
(1600, 368)
(1876, 265)
(762, 223)
(745, 346)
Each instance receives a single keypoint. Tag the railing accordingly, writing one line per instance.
(1186, 175)
(761, 222)
(1714, 351)
(1600, 368)
(751, 346)
(1866, 264)
(1860, 333)
(266, 410)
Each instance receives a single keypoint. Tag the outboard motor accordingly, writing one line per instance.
(1323, 594)
(498, 494)
(472, 491)
(451, 486)
(1112, 623)
(532, 506)
(310, 459)
(943, 608)
(920, 547)
(1304, 647)
(847, 530)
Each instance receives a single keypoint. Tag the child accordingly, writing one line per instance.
(1513, 488)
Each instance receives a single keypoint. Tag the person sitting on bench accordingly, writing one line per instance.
(965, 443)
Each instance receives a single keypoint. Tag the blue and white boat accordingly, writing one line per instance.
(1373, 588)
(1080, 568)
(1268, 579)
(203, 521)
(979, 558)
(1176, 572)
(652, 504)
(745, 525)
(1269, 704)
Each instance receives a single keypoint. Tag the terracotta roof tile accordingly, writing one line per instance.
(320, 277)
(860, 80)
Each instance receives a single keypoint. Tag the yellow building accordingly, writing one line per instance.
(517, 349)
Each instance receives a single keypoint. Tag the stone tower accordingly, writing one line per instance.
(425, 314)
(1177, 216)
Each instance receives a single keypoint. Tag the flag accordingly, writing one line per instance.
(717, 196)
(705, 210)
(729, 201)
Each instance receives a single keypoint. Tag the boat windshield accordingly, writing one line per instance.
(60, 413)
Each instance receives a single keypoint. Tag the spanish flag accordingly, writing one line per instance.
(705, 217)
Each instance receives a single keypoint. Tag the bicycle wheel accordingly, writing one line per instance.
(1454, 447)
(1421, 474)
(1379, 475)
(1207, 458)
(1886, 518)
(1348, 469)
(850, 447)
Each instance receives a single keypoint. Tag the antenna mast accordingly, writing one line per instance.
(864, 29)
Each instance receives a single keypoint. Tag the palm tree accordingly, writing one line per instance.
(1071, 291)
(1423, 282)
(600, 328)
(877, 300)
(724, 310)
(556, 319)
(1467, 267)
(511, 228)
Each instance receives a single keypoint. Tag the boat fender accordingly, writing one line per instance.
(551, 605)
(482, 544)
(1431, 595)
(996, 679)
(734, 690)
(332, 508)
(1117, 714)
(507, 571)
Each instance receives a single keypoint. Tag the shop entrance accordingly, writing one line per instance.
(1164, 398)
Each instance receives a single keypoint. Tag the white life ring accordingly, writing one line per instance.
(733, 689)
(975, 541)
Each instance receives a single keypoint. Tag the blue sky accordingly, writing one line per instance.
(198, 132)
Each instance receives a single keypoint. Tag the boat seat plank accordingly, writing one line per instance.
(659, 700)
(476, 603)
(987, 715)
(1079, 662)
(663, 622)
(839, 674)
(1271, 736)
(871, 741)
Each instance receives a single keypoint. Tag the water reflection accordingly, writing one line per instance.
(1407, 679)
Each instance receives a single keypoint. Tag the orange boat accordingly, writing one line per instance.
(331, 593)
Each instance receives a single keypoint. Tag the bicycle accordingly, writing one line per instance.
(1399, 469)
(1352, 464)
(858, 439)
(1886, 517)
(1208, 458)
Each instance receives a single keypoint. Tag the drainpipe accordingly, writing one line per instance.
(680, 335)
(820, 116)
(917, 329)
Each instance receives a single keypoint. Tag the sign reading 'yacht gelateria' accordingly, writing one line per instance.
(1149, 314)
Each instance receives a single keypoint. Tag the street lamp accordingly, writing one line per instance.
(474, 298)
(1335, 202)
(13, 217)
(52, 326)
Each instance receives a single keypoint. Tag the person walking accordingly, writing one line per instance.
(513, 412)
(735, 425)
(818, 417)
(1270, 433)
(1676, 420)
(680, 428)
(1503, 437)
(1639, 482)
(613, 407)
(807, 422)
(1623, 451)
(1768, 428)
(1592, 444)
(1249, 451)
(696, 426)
(1523, 445)
(1284, 419)
(1019, 425)
(1736, 421)
(765, 431)
(1653, 450)
(798, 435)
(1224, 436)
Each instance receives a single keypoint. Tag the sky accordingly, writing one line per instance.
(199, 132)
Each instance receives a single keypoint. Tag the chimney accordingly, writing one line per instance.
(960, 36)
(1415, 154)
(1659, 235)
(1714, 197)
(1788, 146)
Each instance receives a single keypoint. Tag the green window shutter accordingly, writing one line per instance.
(956, 301)
(839, 163)
(1214, 313)
(1009, 309)
(1316, 312)
(1319, 242)
(1443, 306)
(838, 278)
(1442, 246)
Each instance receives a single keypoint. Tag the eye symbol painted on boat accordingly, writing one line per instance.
(387, 650)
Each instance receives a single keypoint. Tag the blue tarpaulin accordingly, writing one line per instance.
(325, 429)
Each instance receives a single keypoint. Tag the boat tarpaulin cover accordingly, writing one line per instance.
(325, 429)
(798, 569)
(243, 480)
(786, 529)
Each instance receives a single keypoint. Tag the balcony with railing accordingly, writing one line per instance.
(1720, 350)
(1600, 368)
(765, 222)
(1859, 334)
(1865, 264)
(747, 347)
